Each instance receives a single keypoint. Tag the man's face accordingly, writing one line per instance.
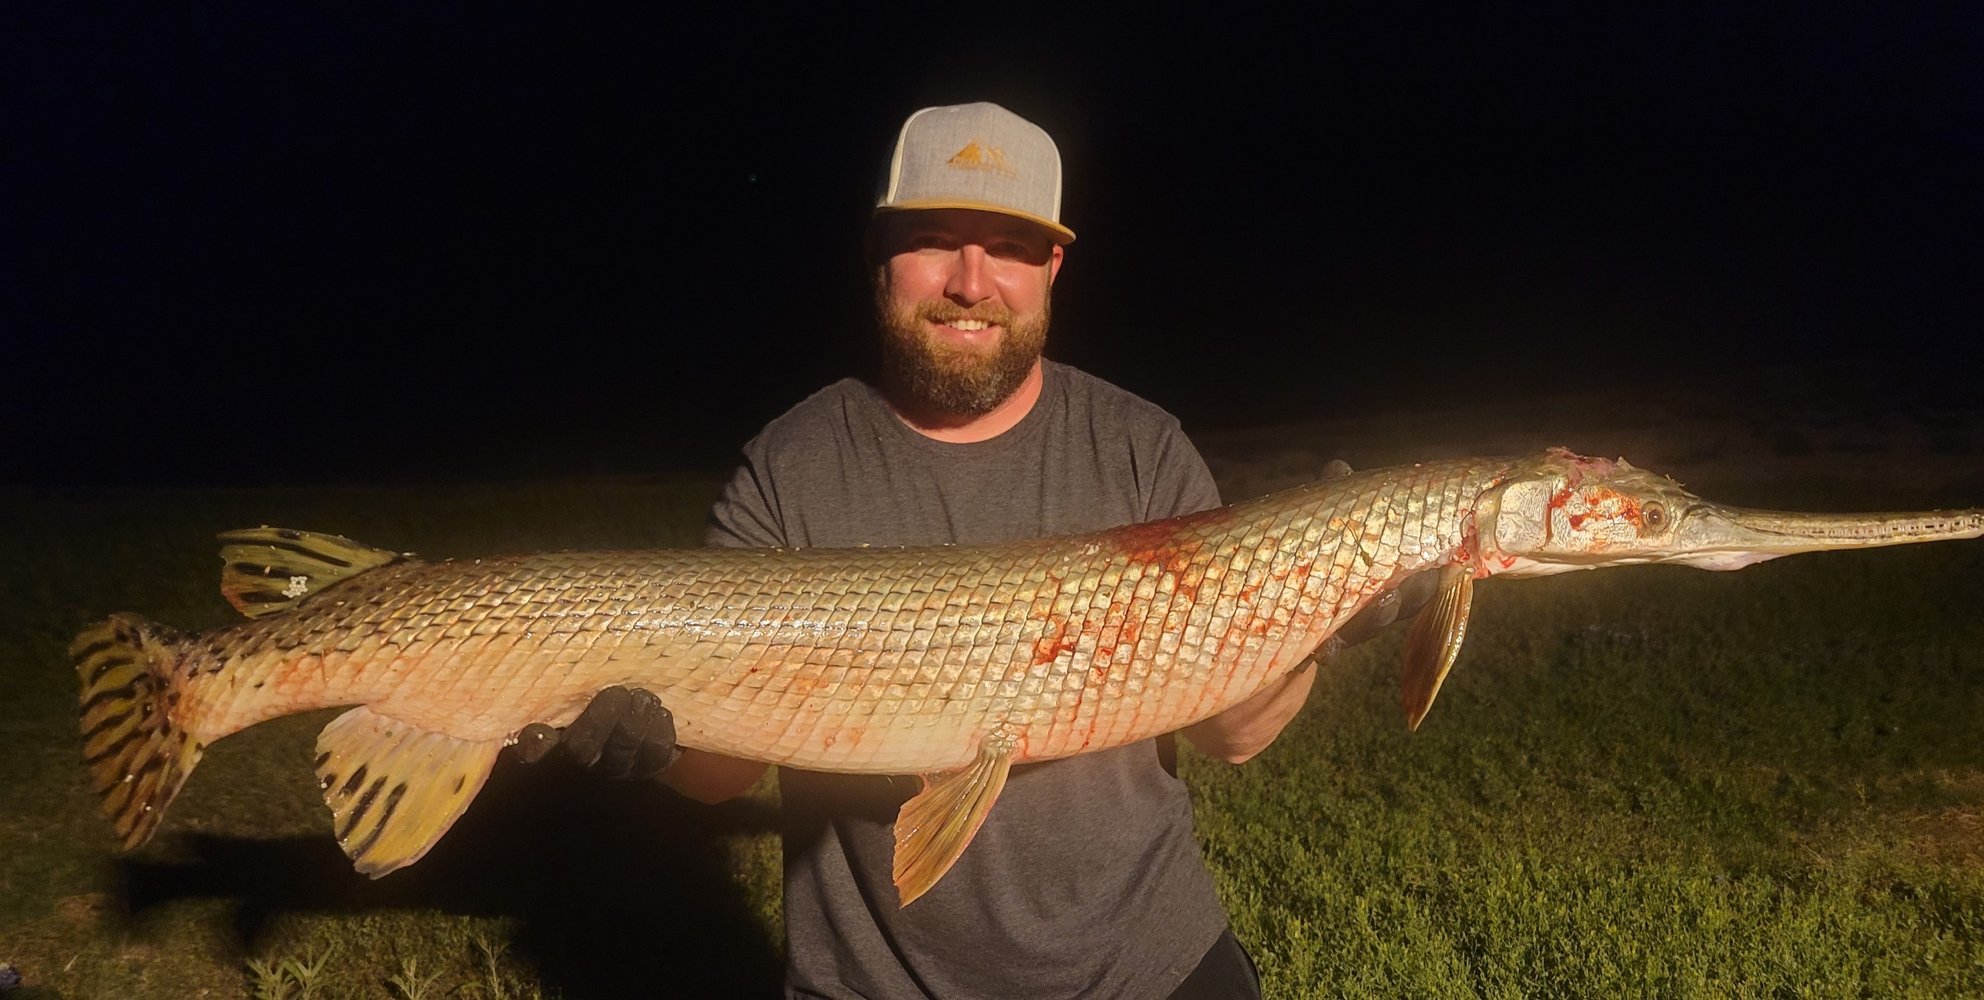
(963, 301)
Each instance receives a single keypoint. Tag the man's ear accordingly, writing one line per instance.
(1054, 263)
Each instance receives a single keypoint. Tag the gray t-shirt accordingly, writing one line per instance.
(1085, 880)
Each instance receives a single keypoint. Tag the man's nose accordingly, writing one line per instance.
(971, 281)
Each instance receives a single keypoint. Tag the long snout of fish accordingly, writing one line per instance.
(1714, 536)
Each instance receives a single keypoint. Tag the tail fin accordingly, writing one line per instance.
(137, 758)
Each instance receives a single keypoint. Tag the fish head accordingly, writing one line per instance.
(1564, 511)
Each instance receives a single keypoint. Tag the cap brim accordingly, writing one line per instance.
(1060, 233)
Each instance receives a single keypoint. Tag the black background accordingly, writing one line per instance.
(253, 243)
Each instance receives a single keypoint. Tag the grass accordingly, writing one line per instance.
(1653, 783)
(1649, 783)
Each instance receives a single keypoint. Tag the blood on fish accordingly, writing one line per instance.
(1053, 642)
(1171, 546)
(1115, 643)
(1559, 499)
(1470, 547)
(1605, 505)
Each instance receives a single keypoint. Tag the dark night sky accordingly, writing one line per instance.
(258, 244)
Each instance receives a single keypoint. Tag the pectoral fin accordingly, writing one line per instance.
(394, 789)
(933, 828)
(1434, 642)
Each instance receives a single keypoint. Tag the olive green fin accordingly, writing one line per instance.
(394, 789)
(136, 756)
(933, 828)
(268, 570)
(1434, 641)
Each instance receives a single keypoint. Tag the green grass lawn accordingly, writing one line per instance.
(1655, 782)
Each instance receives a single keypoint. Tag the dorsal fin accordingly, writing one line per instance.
(267, 570)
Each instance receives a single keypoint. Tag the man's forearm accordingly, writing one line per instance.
(709, 778)
(1246, 729)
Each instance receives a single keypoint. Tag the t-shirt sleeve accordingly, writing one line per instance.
(746, 513)
(1183, 484)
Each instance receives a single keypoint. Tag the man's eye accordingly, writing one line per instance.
(1017, 250)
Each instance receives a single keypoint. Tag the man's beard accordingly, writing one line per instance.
(939, 378)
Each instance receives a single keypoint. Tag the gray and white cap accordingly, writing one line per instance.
(976, 156)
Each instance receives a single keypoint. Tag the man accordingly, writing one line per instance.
(1085, 879)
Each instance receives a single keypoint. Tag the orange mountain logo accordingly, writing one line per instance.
(976, 155)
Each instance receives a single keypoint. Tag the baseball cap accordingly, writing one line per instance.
(978, 156)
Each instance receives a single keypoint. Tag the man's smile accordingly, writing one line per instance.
(970, 333)
(967, 330)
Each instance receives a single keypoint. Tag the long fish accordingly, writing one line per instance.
(951, 662)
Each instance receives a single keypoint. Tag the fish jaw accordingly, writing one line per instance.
(1566, 512)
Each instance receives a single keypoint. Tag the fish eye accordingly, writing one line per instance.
(1653, 516)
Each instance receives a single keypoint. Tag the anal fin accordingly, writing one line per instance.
(935, 826)
(395, 789)
(1434, 641)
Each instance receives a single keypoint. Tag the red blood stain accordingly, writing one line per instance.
(1629, 509)
(1170, 546)
(1053, 642)
(1559, 499)
(1186, 582)
(1606, 505)
(1146, 543)
(1123, 649)
(1470, 549)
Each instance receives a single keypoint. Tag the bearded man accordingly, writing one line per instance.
(1086, 881)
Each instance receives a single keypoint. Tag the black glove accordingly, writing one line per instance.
(623, 733)
(1397, 604)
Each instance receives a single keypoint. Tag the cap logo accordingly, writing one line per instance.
(976, 155)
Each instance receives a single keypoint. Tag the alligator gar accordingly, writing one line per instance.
(951, 662)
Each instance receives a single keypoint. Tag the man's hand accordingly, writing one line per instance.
(1397, 604)
(623, 733)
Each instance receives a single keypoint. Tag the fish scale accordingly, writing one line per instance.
(953, 662)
